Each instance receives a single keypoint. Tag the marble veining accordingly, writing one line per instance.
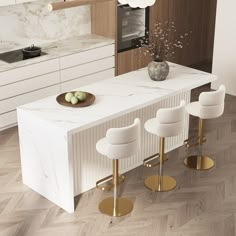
(31, 23)
(61, 48)
(117, 95)
(58, 144)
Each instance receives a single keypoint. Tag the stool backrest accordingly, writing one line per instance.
(171, 115)
(212, 103)
(170, 121)
(123, 142)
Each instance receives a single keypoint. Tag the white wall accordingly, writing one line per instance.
(224, 58)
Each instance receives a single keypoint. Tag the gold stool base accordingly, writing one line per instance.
(166, 183)
(199, 162)
(124, 207)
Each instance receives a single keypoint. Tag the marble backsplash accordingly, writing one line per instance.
(31, 23)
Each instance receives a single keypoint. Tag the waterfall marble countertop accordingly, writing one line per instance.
(59, 49)
(115, 97)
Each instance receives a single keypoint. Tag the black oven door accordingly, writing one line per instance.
(132, 25)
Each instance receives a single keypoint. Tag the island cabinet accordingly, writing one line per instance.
(39, 80)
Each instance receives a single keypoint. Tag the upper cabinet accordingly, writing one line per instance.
(11, 2)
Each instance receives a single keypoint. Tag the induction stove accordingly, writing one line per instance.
(14, 56)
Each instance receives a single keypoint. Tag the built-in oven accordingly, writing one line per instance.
(133, 24)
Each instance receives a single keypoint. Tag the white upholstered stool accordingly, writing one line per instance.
(168, 122)
(119, 143)
(209, 106)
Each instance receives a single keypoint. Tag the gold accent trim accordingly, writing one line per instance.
(114, 206)
(124, 207)
(194, 142)
(159, 182)
(106, 183)
(199, 162)
(147, 161)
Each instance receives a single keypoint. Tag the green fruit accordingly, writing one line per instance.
(74, 100)
(80, 95)
(68, 97)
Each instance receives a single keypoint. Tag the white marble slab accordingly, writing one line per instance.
(31, 23)
(58, 154)
(61, 48)
(118, 96)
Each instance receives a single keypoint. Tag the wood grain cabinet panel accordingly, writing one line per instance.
(131, 60)
(197, 16)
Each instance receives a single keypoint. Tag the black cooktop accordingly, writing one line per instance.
(14, 56)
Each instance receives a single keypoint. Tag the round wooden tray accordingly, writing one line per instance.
(90, 98)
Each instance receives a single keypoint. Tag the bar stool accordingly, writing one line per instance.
(168, 122)
(209, 106)
(119, 143)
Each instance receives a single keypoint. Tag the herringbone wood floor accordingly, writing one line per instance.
(203, 204)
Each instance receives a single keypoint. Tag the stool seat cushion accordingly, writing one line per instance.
(153, 126)
(117, 151)
(193, 109)
(120, 142)
(210, 104)
(205, 112)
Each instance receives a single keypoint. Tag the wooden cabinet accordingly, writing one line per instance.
(130, 60)
(197, 16)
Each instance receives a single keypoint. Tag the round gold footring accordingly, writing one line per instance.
(160, 184)
(124, 206)
(199, 162)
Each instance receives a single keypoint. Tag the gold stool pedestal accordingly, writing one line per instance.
(160, 183)
(123, 206)
(200, 162)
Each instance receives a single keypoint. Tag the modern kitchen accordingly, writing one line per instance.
(117, 117)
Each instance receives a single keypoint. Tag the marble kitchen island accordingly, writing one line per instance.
(58, 154)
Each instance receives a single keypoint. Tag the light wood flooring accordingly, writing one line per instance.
(203, 203)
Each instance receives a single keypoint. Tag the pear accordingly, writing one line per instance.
(68, 96)
(74, 100)
(80, 95)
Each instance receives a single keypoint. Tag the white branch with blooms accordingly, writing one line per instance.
(161, 43)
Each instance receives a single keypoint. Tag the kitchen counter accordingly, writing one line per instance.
(61, 48)
(58, 144)
(129, 92)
